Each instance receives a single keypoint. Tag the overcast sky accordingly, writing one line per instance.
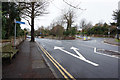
(96, 11)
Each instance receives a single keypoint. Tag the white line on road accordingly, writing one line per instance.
(95, 51)
(108, 44)
(83, 59)
(102, 49)
(110, 50)
(75, 49)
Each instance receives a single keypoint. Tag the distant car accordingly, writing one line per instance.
(85, 38)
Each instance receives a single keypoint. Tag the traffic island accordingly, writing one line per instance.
(109, 52)
(112, 41)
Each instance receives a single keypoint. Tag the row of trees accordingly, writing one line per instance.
(88, 29)
(57, 31)
(17, 10)
(68, 18)
(98, 29)
(30, 10)
(10, 11)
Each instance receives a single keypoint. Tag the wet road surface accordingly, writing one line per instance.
(81, 59)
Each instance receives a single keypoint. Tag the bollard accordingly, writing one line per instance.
(84, 38)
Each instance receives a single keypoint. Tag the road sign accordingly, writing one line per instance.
(15, 31)
(20, 22)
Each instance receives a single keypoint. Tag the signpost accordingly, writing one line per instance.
(20, 22)
(15, 30)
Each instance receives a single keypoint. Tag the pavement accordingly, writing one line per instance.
(111, 41)
(28, 63)
(81, 59)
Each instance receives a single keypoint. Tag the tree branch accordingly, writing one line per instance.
(27, 21)
(72, 5)
(26, 14)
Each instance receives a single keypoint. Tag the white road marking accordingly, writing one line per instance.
(81, 58)
(110, 50)
(101, 49)
(95, 51)
(115, 51)
(107, 43)
(75, 49)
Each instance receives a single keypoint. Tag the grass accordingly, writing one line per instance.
(79, 37)
(117, 40)
(8, 48)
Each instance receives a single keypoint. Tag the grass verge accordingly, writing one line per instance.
(117, 40)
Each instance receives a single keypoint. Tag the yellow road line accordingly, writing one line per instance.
(60, 65)
(55, 64)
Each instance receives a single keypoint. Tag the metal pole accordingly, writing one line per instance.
(15, 35)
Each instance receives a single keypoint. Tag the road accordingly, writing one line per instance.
(81, 59)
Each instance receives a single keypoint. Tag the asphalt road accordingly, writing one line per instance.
(80, 58)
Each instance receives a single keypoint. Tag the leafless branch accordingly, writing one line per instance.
(72, 5)
(27, 21)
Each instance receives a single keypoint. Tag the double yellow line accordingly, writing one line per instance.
(56, 64)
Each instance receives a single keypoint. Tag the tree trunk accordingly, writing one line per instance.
(32, 23)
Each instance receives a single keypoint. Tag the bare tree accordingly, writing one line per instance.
(83, 25)
(89, 25)
(30, 10)
(69, 17)
(57, 31)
